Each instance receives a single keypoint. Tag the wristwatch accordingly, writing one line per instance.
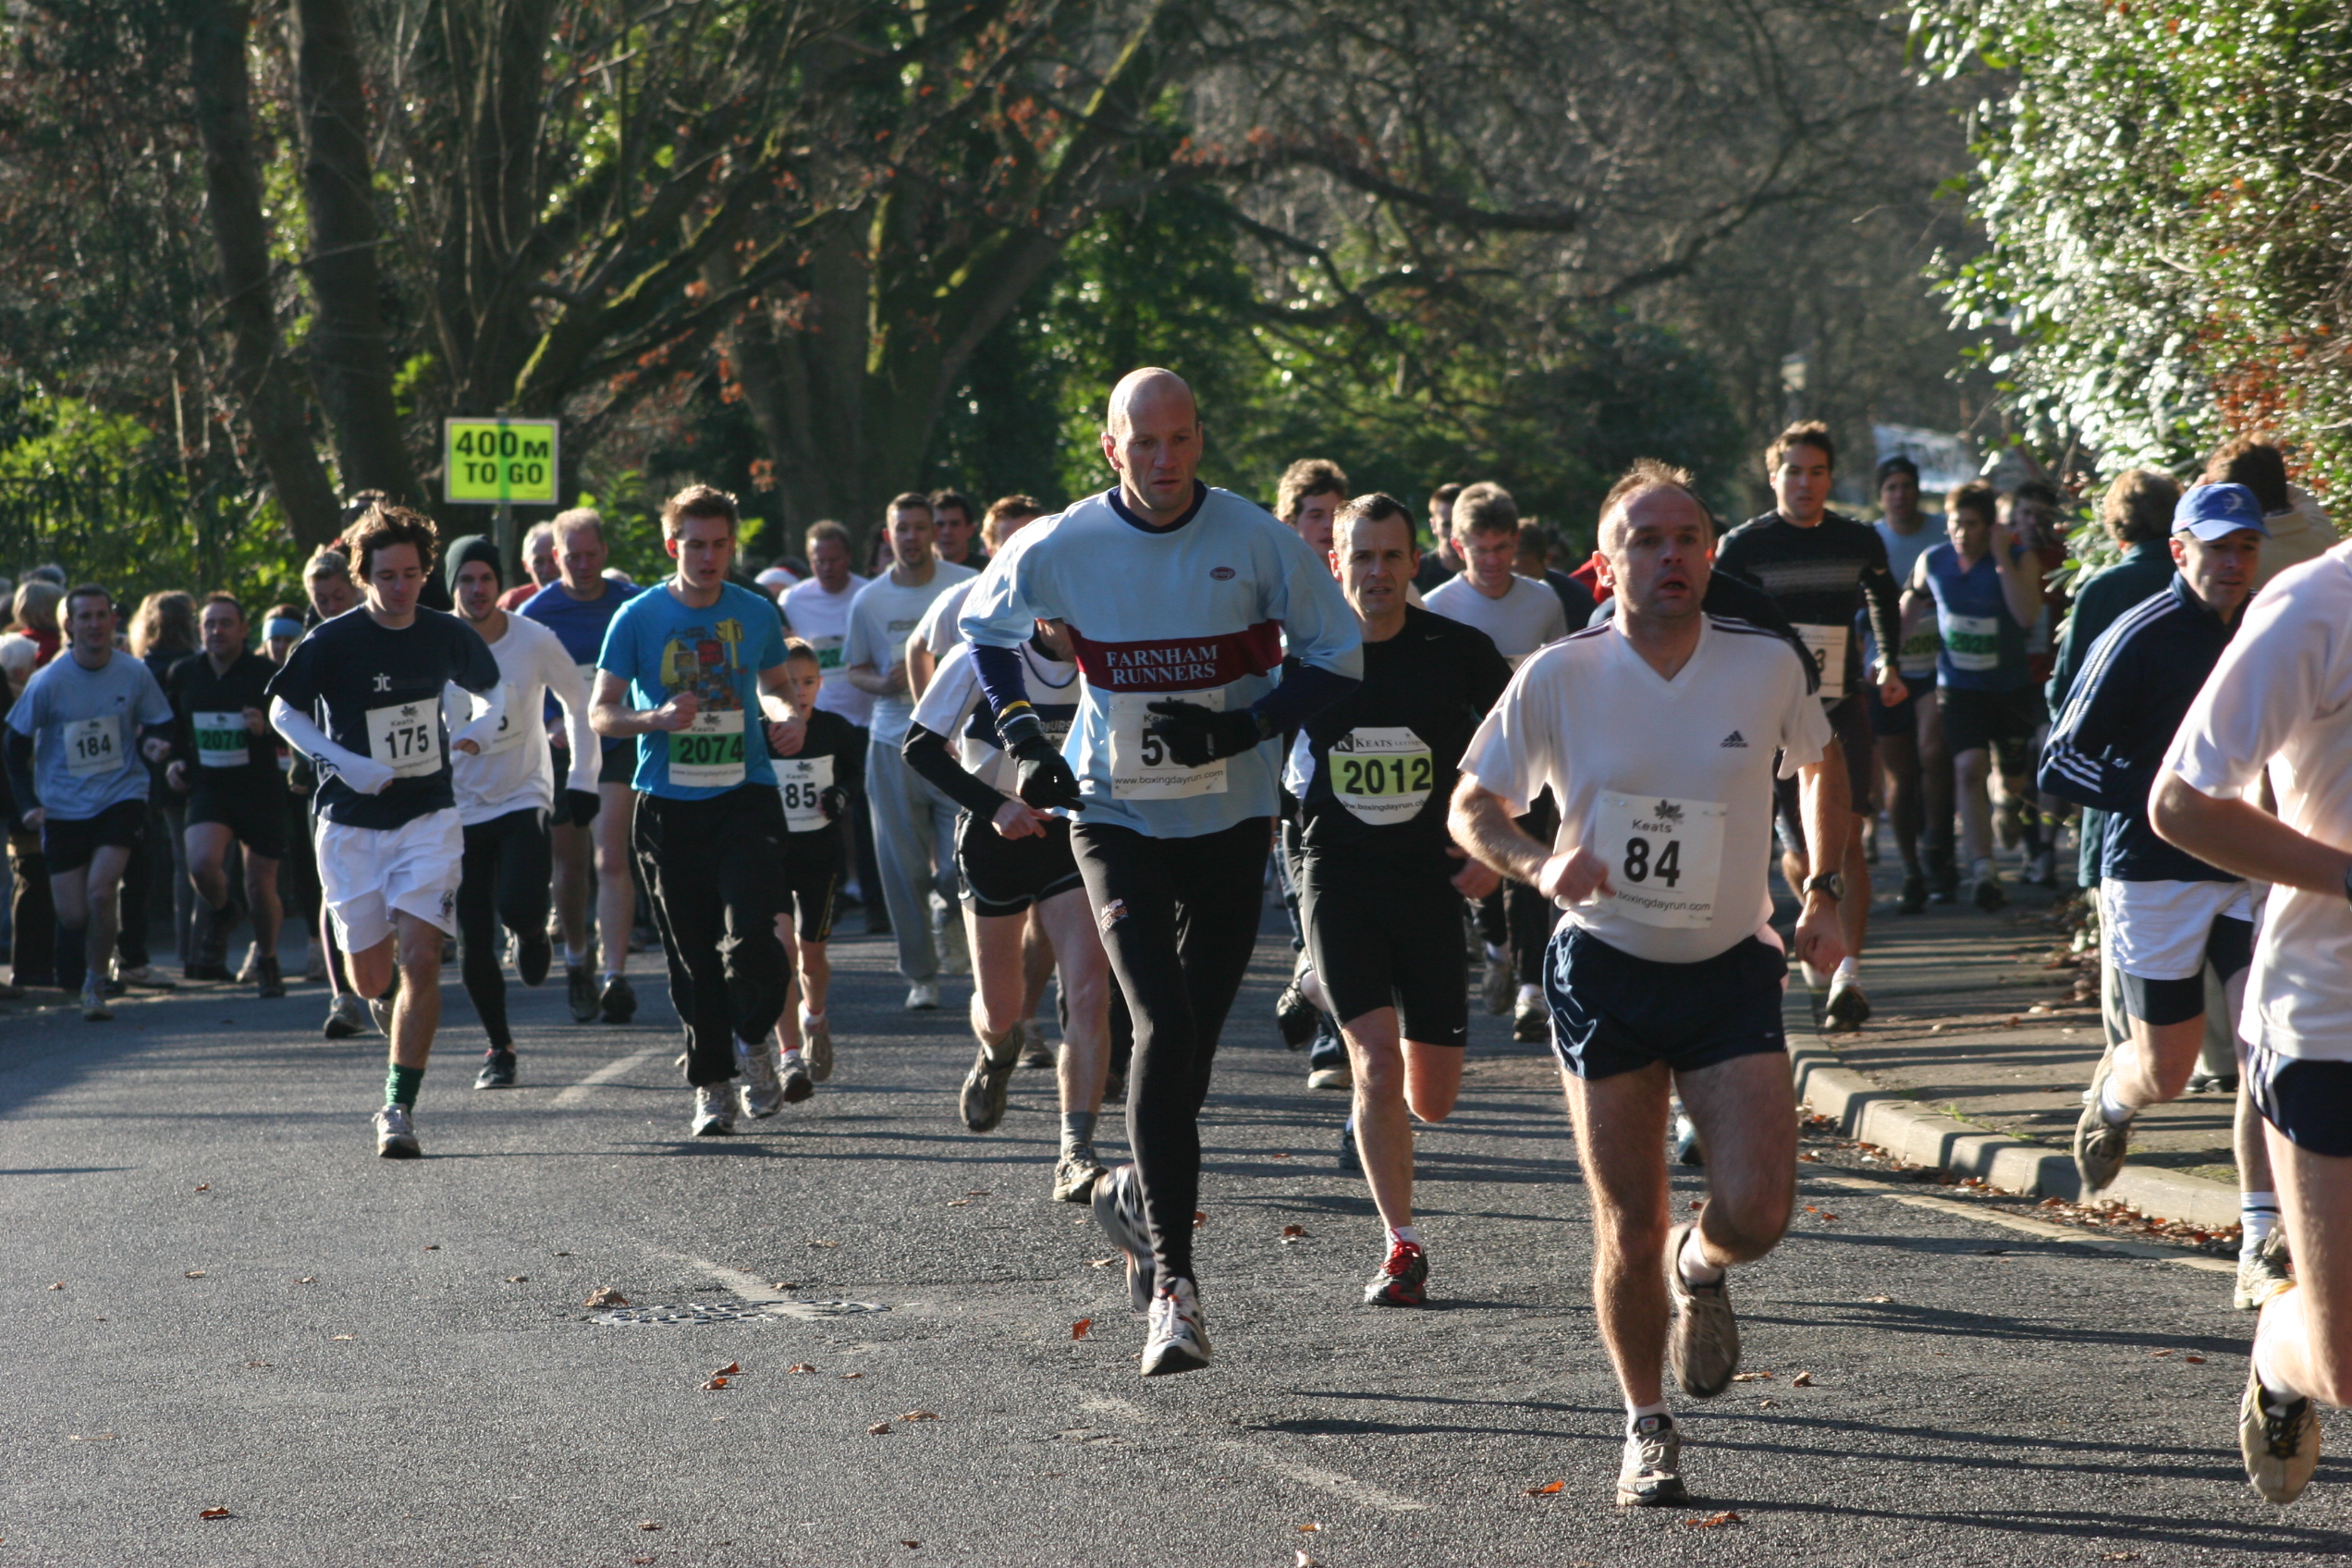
(1833, 884)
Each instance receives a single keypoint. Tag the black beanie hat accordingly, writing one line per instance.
(470, 548)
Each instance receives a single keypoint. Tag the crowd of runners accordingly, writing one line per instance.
(1064, 751)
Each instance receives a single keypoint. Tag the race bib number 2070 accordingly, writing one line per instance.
(1664, 857)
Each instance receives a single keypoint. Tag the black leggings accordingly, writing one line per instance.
(506, 869)
(1179, 919)
(715, 869)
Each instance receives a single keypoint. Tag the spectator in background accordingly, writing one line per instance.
(777, 579)
(163, 633)
(34, 641)
(541, 560)
(1914, 771)
(1441, 562)
(2300, 530)
(958, 529)
(32, 919)
(1537, 546)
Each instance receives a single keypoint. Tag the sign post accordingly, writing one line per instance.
(502, 462)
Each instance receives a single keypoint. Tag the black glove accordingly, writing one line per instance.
(832, 800)
(1196, 736)
(583, 805)
(1043, 780)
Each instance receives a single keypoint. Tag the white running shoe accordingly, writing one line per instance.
(923, 997)
(252, 968)
(1176, 1341)
(714, 1110)
(396, 1133)
(93, 1000)
(817, 1047)
(1119, 1209)
(955, 957)
(762, 1089)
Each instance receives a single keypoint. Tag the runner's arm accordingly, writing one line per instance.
(927, 753)
(2020, 577)
(2080, 761)
(2243, 839)
(1883, 597)
(562, 679)
(363, 774)
(609, 713)
(20, 761)
(1825, 801)
(483, 725)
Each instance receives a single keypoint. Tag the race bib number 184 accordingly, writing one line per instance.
(1664, 857)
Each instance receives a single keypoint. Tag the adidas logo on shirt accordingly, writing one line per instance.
(1736, 738)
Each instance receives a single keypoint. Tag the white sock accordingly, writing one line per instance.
(1633, 1413)
(1409, 1234)
(1849, 968)
(1694, 1269)
(792, 1056)
(810, 1020)
(2111, 1110)
(610, 975)
(2258, 1216)
(1495, 954)
(574, 957)
(1531, 994)
(2278, 1388)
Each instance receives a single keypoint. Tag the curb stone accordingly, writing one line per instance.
(1863, 1110)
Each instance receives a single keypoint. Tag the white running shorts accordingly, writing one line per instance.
(2158, 930)
(367, 873)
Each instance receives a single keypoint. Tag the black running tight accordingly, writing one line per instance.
(507, 870)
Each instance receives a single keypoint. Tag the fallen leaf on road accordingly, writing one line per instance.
(1694, 1203)
(1751, 1377)
(205, 1188)
(92, 1438)
(1294, 1229)
(1078, 1329)
(1091, 1263)
(61, 1284)
(880, 1428)
(2160, 1353)
(979, 1193)
(342, 1336)
(959, 1203)
(1935, 1028)
(1767, 1404)
(307, 1280)
(517, 1279)
(1880, 1300)
(714, 1384)
(2194, 1360)
(193, 1274)
(920, 1415)
(605, 1295)
(639, 1562)
(649, 1525)
(817, 1243)
(846, 1376)
(785, 1285)
(2011, 1021)
(1309, 1529)
(799, 1366)
(1284, 1156)
(433, 1247)
(1802, 1380)
(214, 1513)
(1546, 1489)
(2119, 1557)
(1306, 1560)
(727, 1371)
(910, 1545)
(1829, 1217)
(563, 1254)
(1200, 1217)
(1715, 1521)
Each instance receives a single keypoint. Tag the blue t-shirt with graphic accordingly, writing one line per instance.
(661, 647)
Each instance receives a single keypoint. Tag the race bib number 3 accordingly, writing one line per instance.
(1827, 644)
(221, 739)
(1383, 776)
(802, 782)
(708, 753)
(94, 746)
(1664, 857)
(510, 722)
(406, 738)
(1141, 769)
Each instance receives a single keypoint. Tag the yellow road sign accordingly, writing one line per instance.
(495, 460)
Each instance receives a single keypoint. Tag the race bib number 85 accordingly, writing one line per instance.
(802, 781)
(1664, 857)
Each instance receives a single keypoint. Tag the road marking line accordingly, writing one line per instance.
(1346, 1488)
(610, 1073)
(2041, 1228)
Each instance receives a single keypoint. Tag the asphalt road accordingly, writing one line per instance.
(222, 1300)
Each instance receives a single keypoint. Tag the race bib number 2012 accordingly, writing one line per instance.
(1141, 769)
(1382, 776)
(1664, 857)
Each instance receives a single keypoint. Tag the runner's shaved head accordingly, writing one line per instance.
(1158, 391)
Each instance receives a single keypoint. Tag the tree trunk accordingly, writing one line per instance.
(350, 352)
(260, 374)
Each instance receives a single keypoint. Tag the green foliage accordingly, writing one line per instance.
(2161, 184)
(105, 497)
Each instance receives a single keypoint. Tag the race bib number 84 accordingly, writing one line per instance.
(1664, 857)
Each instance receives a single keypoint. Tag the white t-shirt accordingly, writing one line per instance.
(2281, 698)
(1520, 622)
(954, 707)
(1669, 781)
(937, 629)
(881, 615)
(822, 621)
(514, 771)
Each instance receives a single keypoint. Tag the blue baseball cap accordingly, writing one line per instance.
(2211, 511)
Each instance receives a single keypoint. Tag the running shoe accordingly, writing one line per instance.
(1404, 1280)
(923, 997)
(817, 1043)
(94, 1002)
(982, 1098)
(1075, 1174)
(380, 1014)
(269, 982)
(1327, 1065)
(955, 957)
(314, 966)
(798, 1085)
(1036, 1053)
(1351, 1158)
(618, 1000)
(1915, 893)
(1297, 1017)
(146, 976)
(2262, 1275)
(760, 1088)
(2204, 1082)
(1119, 1209)
(1176, 1340)
(246, 971)
(2280, 1442)
(534, 955)
(1703, 1342)
(1847, 1007)
(714, 1110)
(579, 991)
(1531, 1020)
(2009, 823)
(345, 1018)
(497, 1070)
(1651, 1476)
(2041, 869)
(1686, 1149)
(1499, 986)
(1943, 877)
(396, 1133)
(1984, 890)
(2099, 1147)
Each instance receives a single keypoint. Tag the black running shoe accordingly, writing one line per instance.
(1404, 1280)
(497, 1070)
(267, 978)
(1350, 1158)
(580, 988)
(534, 955)
(1295, 1016)
(618, 1001)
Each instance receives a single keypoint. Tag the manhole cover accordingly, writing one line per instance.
(735, 1310)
